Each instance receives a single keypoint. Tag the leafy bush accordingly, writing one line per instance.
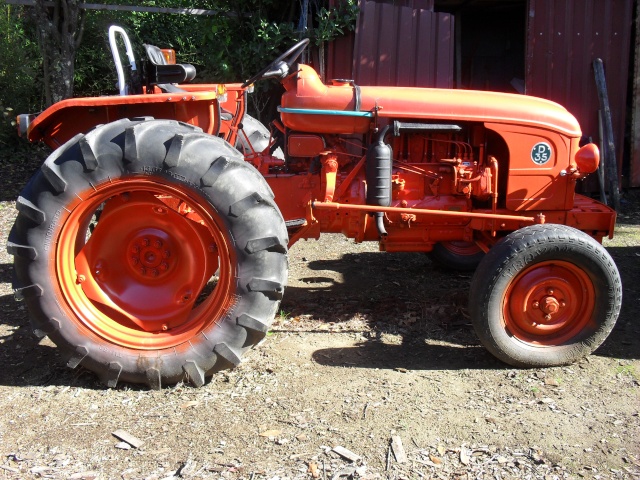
(20, 70)
(229, 47)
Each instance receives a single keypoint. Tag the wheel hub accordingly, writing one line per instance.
(549, 305)
(548, 302)
(150, 254)
(145, 262)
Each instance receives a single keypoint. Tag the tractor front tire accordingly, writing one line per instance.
(544, 296)
(149, 252)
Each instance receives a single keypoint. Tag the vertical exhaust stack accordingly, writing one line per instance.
(378, 173)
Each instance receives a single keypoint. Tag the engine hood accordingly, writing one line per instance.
(310, 105)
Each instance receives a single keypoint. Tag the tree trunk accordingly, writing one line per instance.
(60, 27)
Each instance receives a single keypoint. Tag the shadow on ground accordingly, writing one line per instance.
(406, 295)
(401, 294)
(26, 360)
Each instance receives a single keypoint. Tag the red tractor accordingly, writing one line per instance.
(151, 246)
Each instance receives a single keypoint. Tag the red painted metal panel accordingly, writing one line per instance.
(403, 44)
(563, 39)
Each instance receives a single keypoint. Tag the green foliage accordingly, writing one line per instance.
(254, 32)
(20, 70)
(229, 47)
(243, 40)
(94, 69)
(336, 21)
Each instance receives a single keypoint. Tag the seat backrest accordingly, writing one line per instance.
(156, 57)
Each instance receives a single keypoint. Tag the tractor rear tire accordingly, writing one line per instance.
(544, 296)
(149, 252)
(459, 256)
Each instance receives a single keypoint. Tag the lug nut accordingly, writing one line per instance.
(550, 291)
(157, 243)
(535, 305)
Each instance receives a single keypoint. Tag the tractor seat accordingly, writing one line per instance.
(166, 75)
(160, 62)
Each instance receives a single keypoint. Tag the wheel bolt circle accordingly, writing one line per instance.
(150, 254)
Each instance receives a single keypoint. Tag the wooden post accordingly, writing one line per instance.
(610, 161)
(601, 185)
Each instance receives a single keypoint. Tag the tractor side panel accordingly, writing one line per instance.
(537, 159)
(293, 193)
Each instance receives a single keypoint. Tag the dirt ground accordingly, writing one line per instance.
(372, 370)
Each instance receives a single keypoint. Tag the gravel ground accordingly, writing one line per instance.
(371, 371)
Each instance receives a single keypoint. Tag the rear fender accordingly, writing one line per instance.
(199, 106)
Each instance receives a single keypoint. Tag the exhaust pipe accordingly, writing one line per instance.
(378, 174)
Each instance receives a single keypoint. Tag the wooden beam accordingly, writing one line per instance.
(132, 8)
(609, 149)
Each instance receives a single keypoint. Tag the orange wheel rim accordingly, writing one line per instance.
(549, 303)
(143, 264)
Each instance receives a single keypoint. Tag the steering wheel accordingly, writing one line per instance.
(274, 68)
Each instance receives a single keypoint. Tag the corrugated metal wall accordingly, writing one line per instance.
(563, 39)
(404, 42)
(398, 43)
(340, 58)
